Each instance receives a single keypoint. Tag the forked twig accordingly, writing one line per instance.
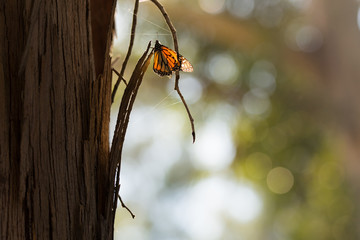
(124, 206)
(177, 75)
(131, 43)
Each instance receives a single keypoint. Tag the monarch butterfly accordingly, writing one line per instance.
(166, 61)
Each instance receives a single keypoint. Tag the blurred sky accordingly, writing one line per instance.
(270, 115)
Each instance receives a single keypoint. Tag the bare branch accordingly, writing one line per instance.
(124, 206)
(169, 23)
(119, 76)
(177, 75)
(123, 117)
(131, 43)
(187, 110)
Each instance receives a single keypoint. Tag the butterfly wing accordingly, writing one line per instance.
(160, 66)
(165, 60)
(185, 65)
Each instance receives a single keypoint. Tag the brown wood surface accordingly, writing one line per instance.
(55, 87)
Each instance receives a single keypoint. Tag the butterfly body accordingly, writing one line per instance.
(167, 61)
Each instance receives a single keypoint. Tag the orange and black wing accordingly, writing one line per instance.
(165, 60)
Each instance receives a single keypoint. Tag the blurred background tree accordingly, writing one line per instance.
(274, 95)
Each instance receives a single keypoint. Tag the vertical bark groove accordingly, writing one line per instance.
(54, 113)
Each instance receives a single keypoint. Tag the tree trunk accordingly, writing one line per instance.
(55, 87)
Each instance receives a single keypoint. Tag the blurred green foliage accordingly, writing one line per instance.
(280, 146)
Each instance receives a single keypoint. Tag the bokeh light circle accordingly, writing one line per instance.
(212, 6)
(280, 180)
(223, 69)
(214, 149)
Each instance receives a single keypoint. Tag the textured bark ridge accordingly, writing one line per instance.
(55, 88)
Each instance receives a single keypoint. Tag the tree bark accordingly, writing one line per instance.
(55, 87)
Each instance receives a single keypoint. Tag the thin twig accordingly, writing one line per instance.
(124, 206)
(177, 75)
(169, 23)
(188, 112)
(132, 37)
(115, 61)
(118, 74)
(123, 117)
